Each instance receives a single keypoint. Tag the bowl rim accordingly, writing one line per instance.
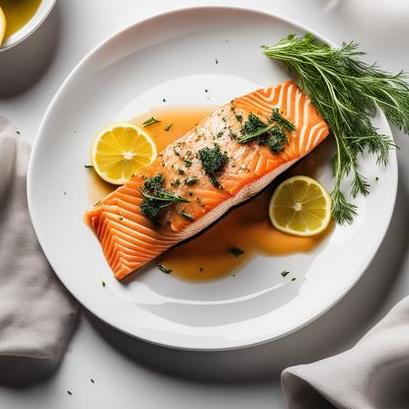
(31, 26)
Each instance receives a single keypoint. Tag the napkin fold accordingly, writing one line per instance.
(372, 375)
(37, 316)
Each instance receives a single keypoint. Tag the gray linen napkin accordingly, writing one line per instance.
(374, 374)
(37, 316)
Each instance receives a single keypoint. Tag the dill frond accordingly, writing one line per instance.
(347, 92)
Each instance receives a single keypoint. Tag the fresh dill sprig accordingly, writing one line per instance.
(156, 198)
(347, 92)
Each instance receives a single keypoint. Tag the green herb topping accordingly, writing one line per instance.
(191, 180)
(285, 273)
(89, 166)
(347, 91)
(156, 198)
(272, 134)
(150, 121)
(236, 251)
(164, 269)
(187, 216)
(167, 127)
(213, 162)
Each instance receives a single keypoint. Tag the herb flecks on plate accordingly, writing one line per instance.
(156, 198)
(347, 91)
(164, 269)
(213, 162)
(272, 134)
(152, 120)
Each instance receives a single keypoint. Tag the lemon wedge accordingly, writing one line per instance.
(300, 206)
(2, 25)
(121, 151)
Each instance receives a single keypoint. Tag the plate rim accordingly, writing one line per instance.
(185, 345)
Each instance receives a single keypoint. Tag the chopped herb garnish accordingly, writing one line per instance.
(92, 381)
(69, 393)
(272, 133)
(181, 171)
(285, 273)
(187, 216)
(89, 166)
(167, 127)
(293, 279)
(164, 269)
(213, 162)
(236, 251)
(285, 124)
(219, 134)
(216, 61)
(150, 121)
(175, 183)
(191, 180)
(156, 198)
(239, 118)
(103, 283)
(188, 163)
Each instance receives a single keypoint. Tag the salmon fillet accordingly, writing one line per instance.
(130, 240)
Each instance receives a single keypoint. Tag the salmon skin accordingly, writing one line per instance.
(130, 240)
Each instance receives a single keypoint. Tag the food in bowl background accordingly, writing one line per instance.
(20, 18)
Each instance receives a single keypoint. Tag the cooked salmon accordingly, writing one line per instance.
(130, 239)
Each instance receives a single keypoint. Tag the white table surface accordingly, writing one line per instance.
(131, 374)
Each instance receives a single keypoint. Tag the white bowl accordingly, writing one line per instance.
(32, 25)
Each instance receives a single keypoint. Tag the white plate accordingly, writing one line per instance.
(173, 56)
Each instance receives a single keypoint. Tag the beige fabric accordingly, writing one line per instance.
(36, 314)
(374, 374)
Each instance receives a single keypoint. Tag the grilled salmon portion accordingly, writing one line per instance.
(130, 239)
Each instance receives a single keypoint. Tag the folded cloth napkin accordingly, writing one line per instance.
(374, 374)
(37, 316)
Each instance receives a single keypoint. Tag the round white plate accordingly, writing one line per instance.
(173, 56)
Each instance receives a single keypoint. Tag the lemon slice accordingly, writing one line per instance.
(2, 25)
(300, 206)
(121, 151)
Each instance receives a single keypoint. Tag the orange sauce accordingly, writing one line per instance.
(208, 256)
